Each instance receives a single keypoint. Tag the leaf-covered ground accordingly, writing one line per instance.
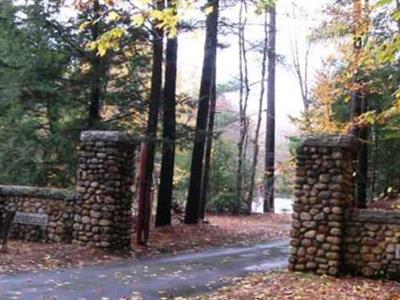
(296, 286)
(386, 203)
(390, 201)
(220, 231)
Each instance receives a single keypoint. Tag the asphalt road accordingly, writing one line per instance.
(181, 275)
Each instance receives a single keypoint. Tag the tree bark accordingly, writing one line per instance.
(209, 143)
(359, 105)
(357, 46)
(362, 178)
(270, 130)
(5, 229)
(302, 77)
(375, 161)
(163, 216)
(192, 212)
(243, 100)
(259, 117)
(147, 158)
(96, 62)
(398, 8)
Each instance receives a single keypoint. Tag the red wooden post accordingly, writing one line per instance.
(143, 206)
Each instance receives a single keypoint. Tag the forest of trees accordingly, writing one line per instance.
(357, 91)
(114, 65)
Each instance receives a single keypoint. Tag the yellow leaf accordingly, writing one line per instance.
(138, 20)
(85, 68)
(172, 32)
(102, 49)
(398, 94)
(209, 9)
(113, 16)
(92, 46)
(84, 25)
(156, 14)
(117, 32)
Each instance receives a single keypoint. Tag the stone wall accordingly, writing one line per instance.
(330, 236)
(99, 213)
(323, 189)
(371, 240)
(103, 211)
(55, 203)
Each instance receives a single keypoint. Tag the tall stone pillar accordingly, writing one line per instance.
(103, 210)
(324, 187)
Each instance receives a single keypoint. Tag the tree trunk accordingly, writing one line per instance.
(209, 143)
(259, 116)
(243, 100)
(375, 162)
(398, 9)
(357, 46)
(270, 131)
(359, 105)
(301, 73)
(5, 229)
(196, 171)
(96, 61)
(362, 178)
(169, 134)
(147, 159)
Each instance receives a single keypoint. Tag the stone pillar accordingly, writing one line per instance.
(103, 210)
(324, 187)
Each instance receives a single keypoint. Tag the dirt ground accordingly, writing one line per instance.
(220, 230)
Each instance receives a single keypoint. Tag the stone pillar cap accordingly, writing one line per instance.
(106, 136)
(339, 141)
(36, 192)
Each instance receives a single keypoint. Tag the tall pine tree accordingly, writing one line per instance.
(192, 213)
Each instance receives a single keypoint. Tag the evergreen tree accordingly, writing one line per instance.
(192, 213)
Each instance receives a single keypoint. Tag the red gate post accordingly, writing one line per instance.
(144, 205)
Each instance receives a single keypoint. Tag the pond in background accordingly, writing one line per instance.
(282, 205)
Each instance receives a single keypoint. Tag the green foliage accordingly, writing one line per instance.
(32, 104)
(222, 184)
(284, 183)
(46, 75)
(222, 202)
(383, 2)
(263, 5)
(222, 175)
(222, 195)
(373, 71)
